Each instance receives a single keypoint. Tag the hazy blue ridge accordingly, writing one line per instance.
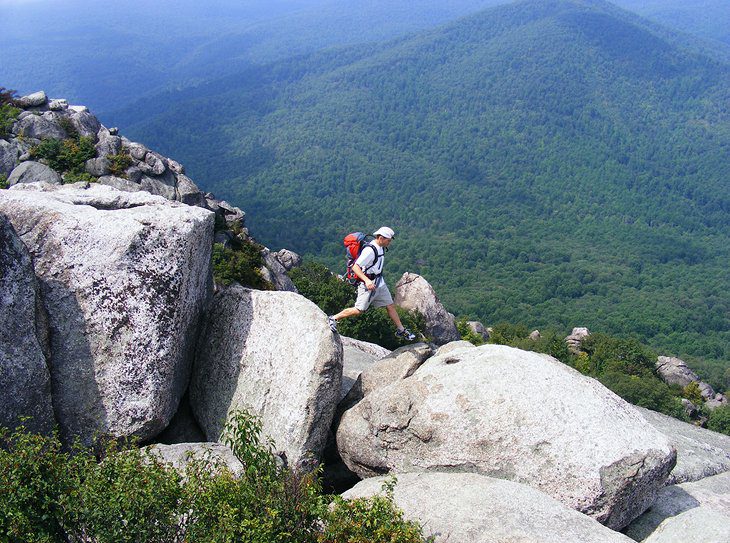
(108, 54)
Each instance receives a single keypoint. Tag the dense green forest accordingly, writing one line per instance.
(552, 163)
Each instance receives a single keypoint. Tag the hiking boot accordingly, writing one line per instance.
(405, 334)
(333, 323)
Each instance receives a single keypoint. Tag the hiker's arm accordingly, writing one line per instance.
(370, 285)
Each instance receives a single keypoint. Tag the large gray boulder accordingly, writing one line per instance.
(576, 337)
(698, 525)
(675, 371)
(187, 191)
(273, 354)
(85, 123)
(514, 415)
(124, 278)
(35, 99)
(34, 172)
(413, 292)
(479, 329)
(24, 378)
(472, 508)
(161, 185)
(39, 128)
(357, 356)
(712, 493)
(700, 453)
(275, 273)
(288, 259)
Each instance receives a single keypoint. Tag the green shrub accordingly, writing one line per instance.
(51, 495)
(551, 343)
(316, 283)
(241, 264)
(370, 520)
(467, 334)
(119, 163)
(268, 503)
(3, 181)
(610, 354)
(693, 394)
(720, 420)
(129, 496)
(39, 483)
(8, 115)
(644, 391)
(66, 156)
(507, 334)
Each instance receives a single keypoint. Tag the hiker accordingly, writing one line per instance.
(371, 289)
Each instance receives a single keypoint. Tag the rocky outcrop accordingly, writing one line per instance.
(413, 292)
(712, 493)
(25, 381)
(357, 356)
(697, 524)
(479, 329)
(146, 170)
(45, 119)
(274, 354)
(123, 277)
(275, 273)
(288, 259)
(575, 339)
(563, 433)
(700, 453)
(674, 371)
(467, 507)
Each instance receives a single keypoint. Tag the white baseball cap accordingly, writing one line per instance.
(385, 232)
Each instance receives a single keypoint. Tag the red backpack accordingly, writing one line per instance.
(354, 244)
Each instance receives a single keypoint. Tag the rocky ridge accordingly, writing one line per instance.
(103, 271)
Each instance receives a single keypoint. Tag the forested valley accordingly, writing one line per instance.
(548, 163)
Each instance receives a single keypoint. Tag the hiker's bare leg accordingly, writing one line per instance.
(349, 312)
(393, 314)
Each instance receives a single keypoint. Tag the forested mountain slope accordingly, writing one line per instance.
(108, 54)
(553, 162)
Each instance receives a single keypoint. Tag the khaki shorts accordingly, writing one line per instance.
(373, 298)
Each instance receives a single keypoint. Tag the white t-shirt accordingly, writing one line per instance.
(367, 257)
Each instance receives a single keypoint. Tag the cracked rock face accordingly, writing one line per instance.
(273, 354)
(123, 278)
(24, 378)
(514, 415)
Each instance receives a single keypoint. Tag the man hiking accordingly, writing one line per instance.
(371, 289)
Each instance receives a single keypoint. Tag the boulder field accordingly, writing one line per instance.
(111, 327)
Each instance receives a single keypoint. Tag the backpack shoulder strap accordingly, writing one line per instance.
(377, 255)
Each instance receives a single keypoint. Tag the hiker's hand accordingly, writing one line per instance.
(370, 285)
